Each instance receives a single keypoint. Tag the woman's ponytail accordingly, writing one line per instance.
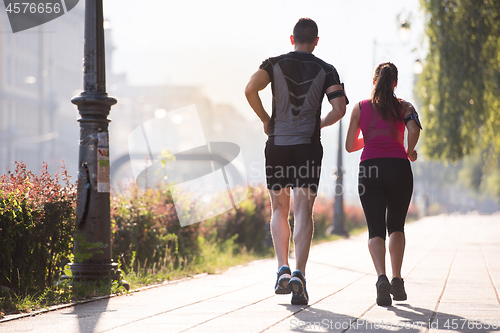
(383, 97)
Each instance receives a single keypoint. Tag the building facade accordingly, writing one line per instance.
(40, 71)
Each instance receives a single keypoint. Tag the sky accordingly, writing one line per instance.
(219, 44)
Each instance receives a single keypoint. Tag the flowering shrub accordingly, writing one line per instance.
(354, 217)
(145, 229)
(36, 223)
(147, 232)
(323, 217)
(248, 223)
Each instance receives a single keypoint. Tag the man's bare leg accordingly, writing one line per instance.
(303, 202)
(280, 228)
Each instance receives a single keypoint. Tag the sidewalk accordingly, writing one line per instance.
(451, 271)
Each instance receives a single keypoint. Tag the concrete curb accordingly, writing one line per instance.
(93, 299)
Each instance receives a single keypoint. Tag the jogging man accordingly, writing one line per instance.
(293, 152)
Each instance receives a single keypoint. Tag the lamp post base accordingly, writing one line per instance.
(95, 271)
(332, 230)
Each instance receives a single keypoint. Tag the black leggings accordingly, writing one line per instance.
(385, 186)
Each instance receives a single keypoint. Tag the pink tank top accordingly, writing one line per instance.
(383, 138)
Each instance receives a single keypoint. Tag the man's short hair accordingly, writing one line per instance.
(305, 31)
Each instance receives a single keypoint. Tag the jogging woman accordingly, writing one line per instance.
(385, 182)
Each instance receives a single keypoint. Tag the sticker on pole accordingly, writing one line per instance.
(25, 15)
(103, 177)
(205, 179)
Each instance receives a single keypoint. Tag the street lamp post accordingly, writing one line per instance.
(93, 198)
(338, 227)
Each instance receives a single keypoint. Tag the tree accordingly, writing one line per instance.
(459, 88)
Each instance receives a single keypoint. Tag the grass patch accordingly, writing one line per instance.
(64, 292)
(214, 259)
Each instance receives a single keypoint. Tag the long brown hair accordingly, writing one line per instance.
(383, 97)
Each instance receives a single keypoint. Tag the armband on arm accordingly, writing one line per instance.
(413, 116)
(338, 93)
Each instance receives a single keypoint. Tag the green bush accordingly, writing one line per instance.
(36, 223)
(145, 229)
(248, 224)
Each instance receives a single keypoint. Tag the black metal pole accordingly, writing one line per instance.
(93, 237)
(338, 206)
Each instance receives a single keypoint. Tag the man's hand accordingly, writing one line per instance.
(258, 81)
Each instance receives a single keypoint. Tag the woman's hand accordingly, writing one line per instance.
(412, 155)
(266, 126)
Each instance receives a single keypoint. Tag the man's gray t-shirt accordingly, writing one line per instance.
(298, 82)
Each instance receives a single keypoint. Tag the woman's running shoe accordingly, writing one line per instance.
(398, 289)
(383, 291)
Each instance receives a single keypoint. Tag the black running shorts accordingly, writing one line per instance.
(293, 166)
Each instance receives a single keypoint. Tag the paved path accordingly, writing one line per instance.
(451, 271)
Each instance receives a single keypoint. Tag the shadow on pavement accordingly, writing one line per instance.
(411, 320)
(445, 321)
(88, 314)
